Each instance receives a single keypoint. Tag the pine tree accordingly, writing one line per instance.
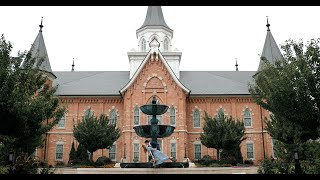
(72, 154)
(81, 154)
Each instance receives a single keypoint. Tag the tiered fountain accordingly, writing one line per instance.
(154, 131)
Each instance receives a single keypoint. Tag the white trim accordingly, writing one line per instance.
(199, 118)
(134, 77)
(59, 143)
(250, 142)
(175, 116)
(250, 111)
(134, 110)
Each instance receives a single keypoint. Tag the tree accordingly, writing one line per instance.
(290, 90)
(94, 133)
(81, 154)
(72, 154)
(28, 106)
(224, 133)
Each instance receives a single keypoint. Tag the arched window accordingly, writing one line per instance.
(113, 117)
(143, 45)
(172, 116)
(136, 116)
(166, 45)
(221, 111)
(247, 118)
(196, 118)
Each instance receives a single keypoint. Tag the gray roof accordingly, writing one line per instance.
(90, 82)
(270, 50)
(39, 51)
(81, 83)
(154, 17)
(217, 82)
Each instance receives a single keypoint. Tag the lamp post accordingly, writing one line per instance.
(124, 153)
(185, 150)
(11, 161)
(297, 167)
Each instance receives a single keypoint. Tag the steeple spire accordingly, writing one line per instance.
(268, 25)
(41, 26)
(270, 50)
(72, 65)
(236, 64)
(39, 53)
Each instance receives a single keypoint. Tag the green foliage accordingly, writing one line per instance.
(81, 154)
(28, 105)
(103, 160)
(272, 166)
(3, 170)
(94, 133)
(72, 154)
(290, 89)
(224, 133)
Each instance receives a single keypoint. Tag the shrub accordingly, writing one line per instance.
(60, 163)
(271, 166)
(103, 160)
(3, 170)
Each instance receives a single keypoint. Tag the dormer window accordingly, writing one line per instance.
(143, 45)
(166, 45)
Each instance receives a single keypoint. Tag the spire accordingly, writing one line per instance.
(72, 65)
(270, 50)
(41, 26)
(268, 25)
(39, 52)
(154, 17)
(236, 65)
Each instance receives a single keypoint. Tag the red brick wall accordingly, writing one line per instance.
(155, 79)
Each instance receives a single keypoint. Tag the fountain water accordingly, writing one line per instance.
(154, 131)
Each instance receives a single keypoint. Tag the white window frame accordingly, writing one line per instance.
(194, 149)
(134, 115)
(136, 152)
(196, 110)
(247, 117)
(116, 116)
(63, 118)
(173, 152)
(253, 155)
(174, 116)
(113, 152)
(56, 152)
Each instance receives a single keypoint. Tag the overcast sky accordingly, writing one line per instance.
(209, 37)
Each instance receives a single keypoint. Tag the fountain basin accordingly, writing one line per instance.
(154, 109)
(145, 131)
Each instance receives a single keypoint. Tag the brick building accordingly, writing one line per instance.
(154, 70)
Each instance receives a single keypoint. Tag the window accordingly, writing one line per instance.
(250, 152)
(112, 152)
(247, 118)
(136, 152)
(143, 45)
(113, 117)
(172, 116)
(197, 151)
(173, 149)
(59, 152)
(196, 118)
(136, 116)
(159, 117)
(221, 111)
(62, 122)
(166, 45)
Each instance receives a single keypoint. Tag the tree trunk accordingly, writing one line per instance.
(218, 155)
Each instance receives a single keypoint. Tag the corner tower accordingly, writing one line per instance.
(154, 27)
(270, 50)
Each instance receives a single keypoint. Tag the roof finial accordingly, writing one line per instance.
(41, 26)
(268, 25)
(72, 65)
(236, 64)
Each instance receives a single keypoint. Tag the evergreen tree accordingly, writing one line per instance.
(94, 133)
(72, 154)
(224, 133)
(28, 106)
(81, 154)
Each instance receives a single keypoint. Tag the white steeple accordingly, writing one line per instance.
(154, 27)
